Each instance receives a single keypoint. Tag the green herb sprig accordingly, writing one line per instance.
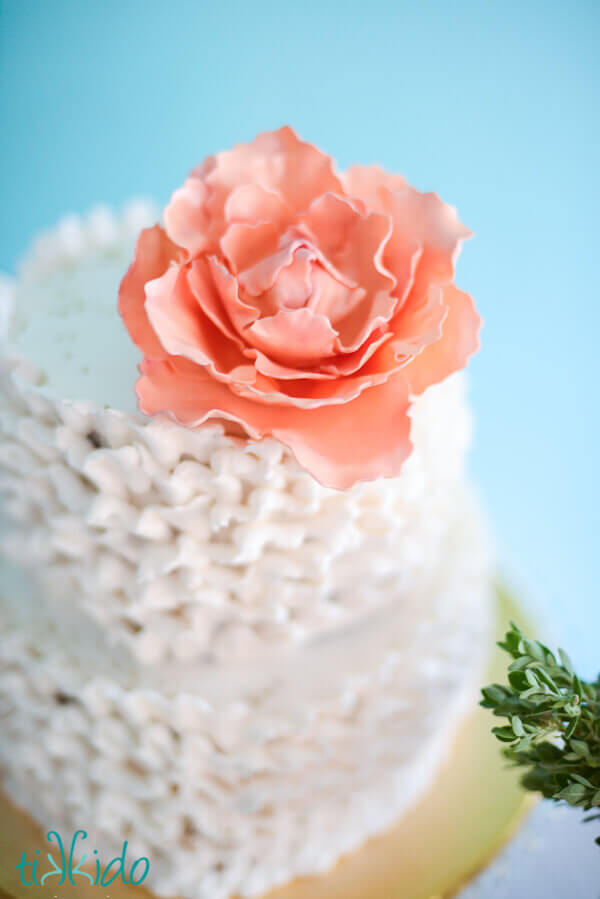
(553, 728)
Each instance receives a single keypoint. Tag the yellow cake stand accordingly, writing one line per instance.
(472, 809)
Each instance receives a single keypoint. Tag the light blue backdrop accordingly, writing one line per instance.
(493, 105)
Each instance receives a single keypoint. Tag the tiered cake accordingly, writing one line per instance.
(207, 648)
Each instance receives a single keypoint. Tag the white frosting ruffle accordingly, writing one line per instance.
(182, 543)
(234, 780)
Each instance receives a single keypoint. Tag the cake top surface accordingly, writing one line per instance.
(63, 314)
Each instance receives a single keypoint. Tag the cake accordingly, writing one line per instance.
(243, 648)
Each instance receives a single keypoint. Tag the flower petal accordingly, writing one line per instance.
(294, 337)
(153, 254)
(354, 244)
(459, 340)
(292, 286)
(184, 329)
(420, 219)
(434, 225)
(362, 440)
(340, 445)
(205, 291)
(246, 245)
(277, 161)
(187, 219)
(418, 323)
(280, 371)
(252, 204)
(240, 313)
(367, 183)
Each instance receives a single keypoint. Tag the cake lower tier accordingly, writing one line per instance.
(234, 778)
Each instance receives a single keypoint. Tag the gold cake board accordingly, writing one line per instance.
(471, 810)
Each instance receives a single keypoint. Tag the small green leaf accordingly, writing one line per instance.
(494, 693)
(504, 733)
(583, 780)
(517, 726)
(566, 661)
(533, 648)
(572, 793)
(532, 678)
(571, 728)
(518, 664)
(580, 747)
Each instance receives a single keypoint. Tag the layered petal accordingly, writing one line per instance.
(154, 253)
(277, 161)
(354, 244)
(187, 220)
(458, 341)
(364, 439)
(252, 204)
(367, 183)
(246, 245)
(184, 329)
(420, 219)
(427, 220)
(294, 337)
(418, 323)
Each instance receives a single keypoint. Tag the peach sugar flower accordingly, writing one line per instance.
(299, 303)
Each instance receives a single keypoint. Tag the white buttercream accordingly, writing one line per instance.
(242, 672)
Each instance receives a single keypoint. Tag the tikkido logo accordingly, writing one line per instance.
(67, 870)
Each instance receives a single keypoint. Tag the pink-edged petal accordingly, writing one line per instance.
(294, 249)
(154, 253)
(240, 313)
(246, 245)
(280, 371)
(352, 242)
(366, 182)
(402, 257)
(252, 204)
(348, 364)
(459, 340)
(294, 337)
(204, 289)
(355, 245)
(425, 219)
(420, 219)
(184, 329)
(185, 392)
(331, 296)
(277, 161)
(292, 286)
(309, 392)
(362, 440)
(418, 323)
(187, 219)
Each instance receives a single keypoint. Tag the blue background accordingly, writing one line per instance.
(494, 106)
